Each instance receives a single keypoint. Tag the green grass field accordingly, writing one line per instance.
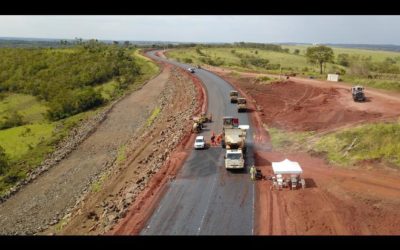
(376, 55)
(292, 63)
(346, 147)
(19, 140)
(28, 106)
(288, 62)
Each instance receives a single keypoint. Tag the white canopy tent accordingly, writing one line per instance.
(286, 167)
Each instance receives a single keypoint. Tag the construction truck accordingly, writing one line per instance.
(197, 127)
(234, 140)
(198, 122)
(241, 104)
(358, 93)
(234, 96)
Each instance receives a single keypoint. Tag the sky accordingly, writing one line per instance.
(262, 29)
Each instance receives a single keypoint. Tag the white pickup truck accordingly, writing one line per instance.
(234, 140)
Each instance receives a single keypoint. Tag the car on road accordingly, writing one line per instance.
(191, 70)
(199, 143)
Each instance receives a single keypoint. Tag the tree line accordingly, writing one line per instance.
(65, 78)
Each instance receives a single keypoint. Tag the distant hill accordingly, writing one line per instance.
(52, 42)
(29, 42)
(21, 42)
(385, 47)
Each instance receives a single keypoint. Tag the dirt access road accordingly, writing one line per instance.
(356, 200)
(47, 199)
(204, 198)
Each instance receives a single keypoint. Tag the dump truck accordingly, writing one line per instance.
(234, 96)
(241, 104)
(198, 122)
(234, 140)
(358, 93)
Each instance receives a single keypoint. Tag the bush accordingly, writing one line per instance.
(343, 59)
(273, 66)
(70, 103)
(262, 78)
(200, 52)
(3, 160)
(216, 62)
(258, 62)
(187, 60)
(13, 120)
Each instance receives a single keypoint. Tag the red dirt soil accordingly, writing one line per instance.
(147, 201)
(336, 201)
(309, 105)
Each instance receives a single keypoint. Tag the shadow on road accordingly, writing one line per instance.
(261, 161)
(238, 171)
(310, 183)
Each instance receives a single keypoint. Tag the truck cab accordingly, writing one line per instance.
(234, 96)
(230, 122)
(241, 104)
(234, 159)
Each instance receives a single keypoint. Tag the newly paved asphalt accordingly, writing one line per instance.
(205, 198)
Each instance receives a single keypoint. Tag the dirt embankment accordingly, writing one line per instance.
(132, 183)
(336, 201)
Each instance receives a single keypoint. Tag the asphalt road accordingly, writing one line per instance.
(205, 198)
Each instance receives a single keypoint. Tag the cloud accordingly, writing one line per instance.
(334, 29)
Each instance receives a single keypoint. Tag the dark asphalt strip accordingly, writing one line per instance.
(205, 198)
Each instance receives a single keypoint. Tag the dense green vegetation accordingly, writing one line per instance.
(380, 141)
(66, 79)
(46, 92)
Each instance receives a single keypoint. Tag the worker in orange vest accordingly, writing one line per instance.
(219, 138)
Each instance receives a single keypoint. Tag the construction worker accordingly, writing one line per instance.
(253, 171)
(213, 139)
(219, 138)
